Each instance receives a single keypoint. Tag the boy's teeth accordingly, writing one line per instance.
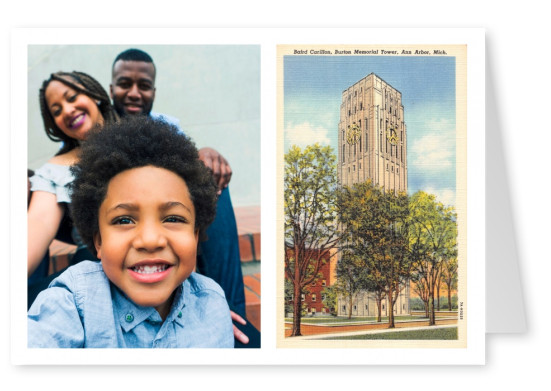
(150, 269)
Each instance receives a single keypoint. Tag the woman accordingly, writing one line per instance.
(71, 104)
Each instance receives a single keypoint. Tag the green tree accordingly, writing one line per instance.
(420, 287)
(375, 227)
(433, 240)
(329, 299)
(310, 215)
(288, 292)
(450, 277)
(351, 278)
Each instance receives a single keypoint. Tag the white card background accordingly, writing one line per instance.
(268, 354)
(512, 361)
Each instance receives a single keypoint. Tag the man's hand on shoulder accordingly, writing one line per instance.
(218, 165)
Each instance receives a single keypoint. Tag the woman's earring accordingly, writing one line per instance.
(98, 102)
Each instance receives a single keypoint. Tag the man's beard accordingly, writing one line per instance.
(119, 108)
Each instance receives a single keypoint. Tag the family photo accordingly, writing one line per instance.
(143, 196)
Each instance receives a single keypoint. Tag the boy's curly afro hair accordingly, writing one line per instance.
(136, 141)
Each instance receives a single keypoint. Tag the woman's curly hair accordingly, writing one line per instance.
(136, 141)
(82, 83)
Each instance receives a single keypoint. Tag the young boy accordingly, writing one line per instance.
(142, 204)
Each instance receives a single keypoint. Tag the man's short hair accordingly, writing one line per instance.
(137, 141)
(133, 55)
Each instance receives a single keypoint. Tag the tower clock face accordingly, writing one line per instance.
(392, 136)
(352, 134)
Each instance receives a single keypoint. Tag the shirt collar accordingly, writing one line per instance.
(130, 314)
(176, 313)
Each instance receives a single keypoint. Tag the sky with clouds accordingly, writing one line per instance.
(313, 87)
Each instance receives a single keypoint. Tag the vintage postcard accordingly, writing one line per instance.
(373, 167)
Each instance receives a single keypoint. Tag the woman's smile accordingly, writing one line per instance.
(77, 121)
(74, 113)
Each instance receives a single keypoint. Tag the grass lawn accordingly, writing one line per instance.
(334, 319)
(436, 334)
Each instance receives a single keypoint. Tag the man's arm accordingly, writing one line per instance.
(210, 157)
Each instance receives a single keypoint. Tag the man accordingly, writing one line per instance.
(133, 93)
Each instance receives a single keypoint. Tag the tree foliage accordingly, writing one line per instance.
(329, 298)
(351, 278)
(433, 242)
(310, 216)
(375, 228)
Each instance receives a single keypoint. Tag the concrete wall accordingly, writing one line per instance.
(214, 91)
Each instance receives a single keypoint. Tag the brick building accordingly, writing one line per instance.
(312, 298)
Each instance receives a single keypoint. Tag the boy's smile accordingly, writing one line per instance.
(147, 240)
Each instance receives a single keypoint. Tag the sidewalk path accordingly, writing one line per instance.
(363, 332)
(324, 329)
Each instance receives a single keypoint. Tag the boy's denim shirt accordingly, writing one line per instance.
(82, 309)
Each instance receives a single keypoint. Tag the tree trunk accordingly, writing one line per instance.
(390, 306)
(297, 310)
(438, 295)
(449, 298)
(426, 308)
(350, 309)
(432, 317)
(379, 308)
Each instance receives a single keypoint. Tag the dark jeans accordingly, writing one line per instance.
(41, 271)
(219, 256)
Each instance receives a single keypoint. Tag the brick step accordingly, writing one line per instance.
(252, 298)
(249, 247)
(248, 228)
